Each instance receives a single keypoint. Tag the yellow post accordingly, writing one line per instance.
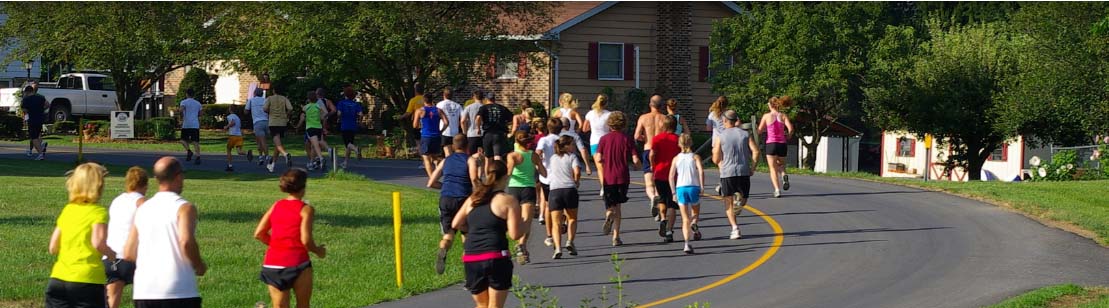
(396, 238)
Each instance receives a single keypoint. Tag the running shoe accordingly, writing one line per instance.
(785, 181)
(321, 163)
(42, 156)
(669, 238)
(777, 194)
(718, 190)
(197, 160)
(288, 160)
(617, 242)
(229, 168)
(29, 154)
(562, 228)
(249, 155)
(688, 249)
(441, 261)
(573, 251)
(549, 241)
(696, 232)
(358, 152)
(269, 166)
(607, 227)
(189, 155)
(735, 234)
(541, 222)
(44, 145)
(557, 255)
(311, 166)
(662, 228)
(522, 256)
(262, 160)
(654, 207)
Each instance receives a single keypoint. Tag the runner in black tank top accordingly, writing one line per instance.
(488, 217)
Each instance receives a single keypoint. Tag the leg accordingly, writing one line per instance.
(686, 223)
(497, 298)
(528, 210)
(772, 164)
(571, 225)
(614, 212)
(649, 180)
(229, 154)
(196, 146)
(315, 141)
(481, 300)
(695, 214)
(729, 210)
(115, 293)
(303, 288)
(429, 168)
(670, 215)
(553, 222)
(279, 149)
(280, 299)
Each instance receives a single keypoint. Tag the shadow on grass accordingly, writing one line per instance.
(346, 221)
(26, 220)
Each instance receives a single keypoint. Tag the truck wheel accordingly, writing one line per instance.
(59, 113)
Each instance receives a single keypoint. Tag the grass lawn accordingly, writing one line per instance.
(1067, 295)
(354, 220)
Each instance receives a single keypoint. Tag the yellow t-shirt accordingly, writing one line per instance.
(78, 260)
(415, 103)
(468, 102)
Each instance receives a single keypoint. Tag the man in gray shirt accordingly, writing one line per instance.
(469, 122)
(732, 152)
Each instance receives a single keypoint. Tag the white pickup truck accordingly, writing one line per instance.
(74, 94)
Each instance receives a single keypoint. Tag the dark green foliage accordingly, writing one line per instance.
(202, 85)
(65, 127)
(11, 126)
(164, 128)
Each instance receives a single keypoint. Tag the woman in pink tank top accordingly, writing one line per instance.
(777, 127)
(287, 229)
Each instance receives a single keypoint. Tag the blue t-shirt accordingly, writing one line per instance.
(348, 110)
(456, 177)
(35, 107)
(429, 123)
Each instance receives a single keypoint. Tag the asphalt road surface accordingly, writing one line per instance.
(842, 243)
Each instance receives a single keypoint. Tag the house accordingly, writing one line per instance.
(232, 87)
(904, 155)
(838, 150)
(655, 46)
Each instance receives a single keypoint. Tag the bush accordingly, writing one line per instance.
(65, 128)
(11, 126)
(202, 84)
(144, 129)
(100, 128)
(164, 128)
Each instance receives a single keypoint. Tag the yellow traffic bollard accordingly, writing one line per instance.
(396, 238)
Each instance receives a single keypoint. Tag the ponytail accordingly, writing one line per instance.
(602, 101)
(483, 190)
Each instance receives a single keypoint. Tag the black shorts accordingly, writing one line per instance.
(667, 194)
(430, 145)
(563, 199)
(446, 141)
(448, 207)
(546, 191)
(522, 194)
(283, 278)
(75, 294)
(34, 130)
(493, 144)
(277, 131)
(736, 184)
(190, 134)
(125, 271)
(472, 144)
(313, 132)
(348, 137)
(168, 303)
(615, 194)
(777, 149)
(495, 273)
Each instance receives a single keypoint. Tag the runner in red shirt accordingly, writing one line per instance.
(287, 229)
(664, 147)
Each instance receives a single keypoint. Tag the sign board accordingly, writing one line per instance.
(928, 141)
(123, 125)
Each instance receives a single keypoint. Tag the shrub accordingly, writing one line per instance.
(100, 128)
(11, 126)
(144, 129)
(65, 127)
(164, 128)
(202, 84)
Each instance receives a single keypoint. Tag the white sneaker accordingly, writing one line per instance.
(735, 234)
(269, 166)
(777, 194)
(29, 154)
(549, 242)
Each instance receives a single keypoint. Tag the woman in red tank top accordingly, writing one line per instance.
(287, 229)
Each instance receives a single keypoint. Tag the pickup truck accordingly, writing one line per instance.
(74, 94)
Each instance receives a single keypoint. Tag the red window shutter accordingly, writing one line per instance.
(912, 147)
(629, 62)
(703, 64)
(1004, 152)
(491, 67)
(593, 50)
(522, 66)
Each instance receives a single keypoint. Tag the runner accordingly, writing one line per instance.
(568, 110)
(414, 104)
(431, 124)
(672, 111)
(312, 121)
(546, 149)
(539, 130)
(79, 239)
(732, 152)
(469, 122)
(715, 121)
(34, 108)
(524, 164)
(489, 218)
(778, 128)
(613, 152)
(278, 108)
(234, 137)
(664, 148)
(452, 111)
(688, 176)
(122, 272)
(286, 229)
(164, 234)
(261, 119)
(190, 126)
(564, 176)
(349, 113)
(596, 124)
(492, 121)
(522, 121)
(458, 173)
(328, 108)
(646, 127)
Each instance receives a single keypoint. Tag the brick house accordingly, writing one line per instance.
(232, 87)
(655, 46)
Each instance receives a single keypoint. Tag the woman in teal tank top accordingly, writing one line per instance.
(524, 163)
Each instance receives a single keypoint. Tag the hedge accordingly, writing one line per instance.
(11, 126)
(214, 116)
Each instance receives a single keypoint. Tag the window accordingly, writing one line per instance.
(75, 83)
(906, 147)
(101, 84)
(610, 61)
(507, 69)
(1000, 154)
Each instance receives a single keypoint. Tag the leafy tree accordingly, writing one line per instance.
(136, 42)
(946, 83)
(814, 52)
(204, 90)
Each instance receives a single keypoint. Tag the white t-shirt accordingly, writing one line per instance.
(161, 269)
(717, 123)
(236, 125)
(546, 145)
(190, 113)
(256, 106)
(470, 112)
(598, 125)
(453, 111)
(121, 213)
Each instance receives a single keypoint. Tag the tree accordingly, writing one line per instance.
(200, 82)
(814, 52)
(946, 83)
(136, 42)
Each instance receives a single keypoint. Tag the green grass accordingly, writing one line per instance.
(1066, 295)
(354, 220)
(211, 141)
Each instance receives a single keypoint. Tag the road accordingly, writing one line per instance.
(843, 243)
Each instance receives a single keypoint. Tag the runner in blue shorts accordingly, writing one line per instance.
(687, 174)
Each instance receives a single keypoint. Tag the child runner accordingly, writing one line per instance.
(234, 137)
(663, 149)
(564, 176)
(256, 106)
(538, 131)
(431, 124)
(489, 218)
(287, 229)
(732, 152)
(596, 124)
(546, 149)
(612, 153)
(278, 108)
(568, 111)
(778, 128)
(79, 240)
(313, 130)
(688, 176)
(121, 214)
(458, 172)
(349, 113)
(452, 111)
(524, 164)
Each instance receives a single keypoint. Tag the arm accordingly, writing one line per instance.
(538, 162)
(639, 131)
(433, 181)
(511, 160)
(513, 128)
(444, 122)
(576, 116)
(510, 207)
(266, 106)
(635, 157)
(262, 232)
(229, 124)
(789, 125)
(308, 216)
(416, 118)
(585, 126)
(131, 248)
(100, 241)
(186, 231)
(55, 241)
(465, 121)
(762, 125)
(717, 154)
(576, 172)
(754, 154)
(471, 165)
(673, 177)
(700, 170)
(478, 121)
(459, 222)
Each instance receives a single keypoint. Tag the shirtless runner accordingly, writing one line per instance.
(647, 127)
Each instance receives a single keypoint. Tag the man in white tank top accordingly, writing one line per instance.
(164, 236)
